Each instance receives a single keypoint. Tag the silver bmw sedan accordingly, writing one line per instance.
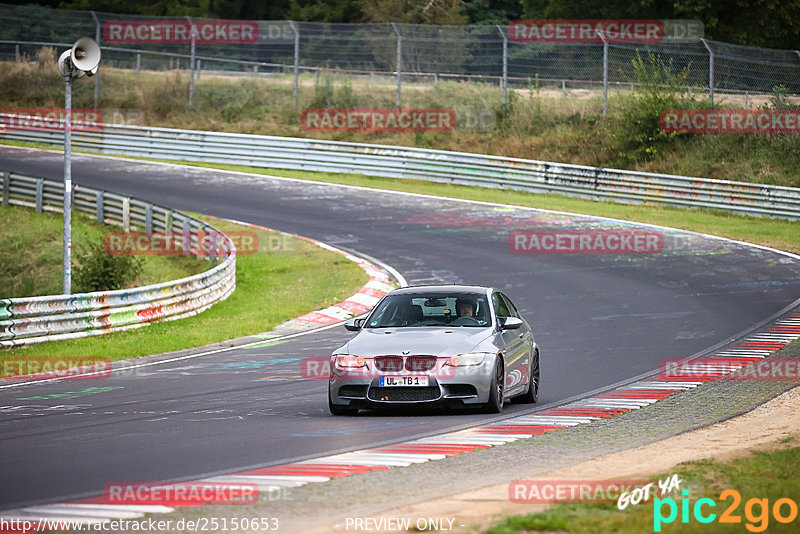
(424, 345)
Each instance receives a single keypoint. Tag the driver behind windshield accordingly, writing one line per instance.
(465, 308)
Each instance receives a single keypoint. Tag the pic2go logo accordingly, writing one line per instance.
(756, 511)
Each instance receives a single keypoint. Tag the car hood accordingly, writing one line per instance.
(419, 340)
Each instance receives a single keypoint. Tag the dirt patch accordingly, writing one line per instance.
(758, 430)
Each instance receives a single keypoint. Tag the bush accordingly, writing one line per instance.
(328, 96)
(657, 87)
(97, 270)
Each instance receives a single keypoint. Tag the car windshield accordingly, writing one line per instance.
(419, 310)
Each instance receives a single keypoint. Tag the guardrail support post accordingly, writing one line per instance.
(148, 218)
(505, 68)
(39, 195)
(6, 186)
(710, 72)
(296, 58)
(96, 74)
(126, 214)
(399, 62)
(187, 236)
(211, 235)
(100, 206)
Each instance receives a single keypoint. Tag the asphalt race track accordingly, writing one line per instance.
(598, 318)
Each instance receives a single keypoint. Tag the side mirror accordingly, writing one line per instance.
(511, 323)
(354, 325)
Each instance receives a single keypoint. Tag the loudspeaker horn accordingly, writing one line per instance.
(86, 54)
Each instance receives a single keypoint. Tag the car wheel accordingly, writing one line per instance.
(532, 395)
(335, 409)
(495, 404)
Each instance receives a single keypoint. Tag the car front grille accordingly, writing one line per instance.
(404, 394)
(389, 364)
(420, 363)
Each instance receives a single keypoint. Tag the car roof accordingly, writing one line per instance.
(442, 289)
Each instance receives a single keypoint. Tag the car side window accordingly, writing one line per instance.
(500, 307)
(510, 305)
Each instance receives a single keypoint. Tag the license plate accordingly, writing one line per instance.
(405, 380)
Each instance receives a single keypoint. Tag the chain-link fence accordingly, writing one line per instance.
(400, 53)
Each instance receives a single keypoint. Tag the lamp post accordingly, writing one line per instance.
(81, 60)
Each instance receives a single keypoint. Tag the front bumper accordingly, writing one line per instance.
(468, 385)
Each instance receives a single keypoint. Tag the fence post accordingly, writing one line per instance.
(296, 57)
(39, 195)
(605, 73)
(99, 206)
(563, 88)
(16, 53)
(505, 68)
(710, 72)
(199, 68)
(96, 74)
(6, 187)
(191, 61)
(399, 61)
(138, 62)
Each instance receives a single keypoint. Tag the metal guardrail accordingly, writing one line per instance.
(424, 164)
(46, 318)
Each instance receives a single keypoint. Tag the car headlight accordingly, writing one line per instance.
(460, 360)
(348, 361)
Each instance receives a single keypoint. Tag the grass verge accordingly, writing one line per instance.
(272, 286)
(764, 477)
(31, 253)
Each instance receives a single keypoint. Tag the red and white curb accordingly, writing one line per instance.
(624, 399)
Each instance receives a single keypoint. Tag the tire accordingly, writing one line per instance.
(335, 409)
(532, 395)
(495, 404)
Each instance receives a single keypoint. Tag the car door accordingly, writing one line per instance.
(525, 335)
(510, 344)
